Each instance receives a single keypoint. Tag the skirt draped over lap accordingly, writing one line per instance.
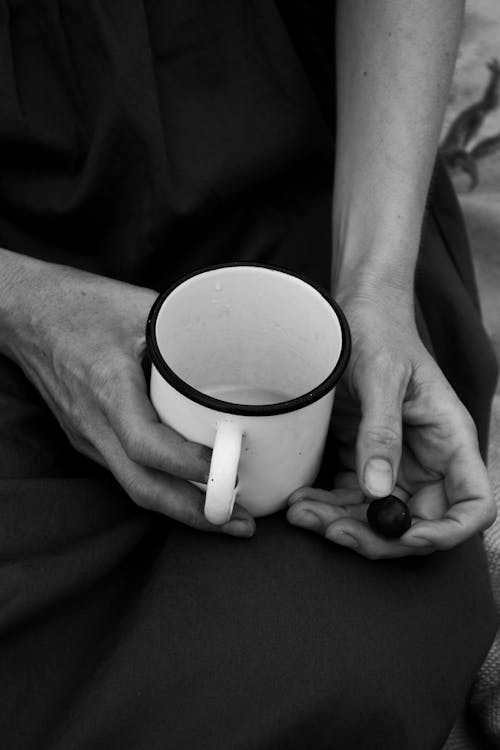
(141, 140)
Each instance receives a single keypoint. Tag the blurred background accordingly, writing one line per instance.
(480, 48)
(470, 144)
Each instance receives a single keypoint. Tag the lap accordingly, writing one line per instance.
(123, 629)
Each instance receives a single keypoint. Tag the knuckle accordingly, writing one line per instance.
(141, 494)
(392, 369)
(83, 421)
(461, 418)
(77, 427)
(470, 427)
(173, 463)
(461, 425)
(106, 376)
(133, 444)
(78, 443)
(100, 372)
(385, 435)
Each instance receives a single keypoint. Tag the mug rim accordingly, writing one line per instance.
(229, 407)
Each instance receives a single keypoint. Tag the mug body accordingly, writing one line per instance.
(279, 452)
(262, 348)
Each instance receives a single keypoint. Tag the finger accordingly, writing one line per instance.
(429, 503)
(178, 499)
(317, 515)
(182, 501)
(339, 496)
(357, 535)
(346, 525)
(147, 441)
(471, 505)
(379, 441)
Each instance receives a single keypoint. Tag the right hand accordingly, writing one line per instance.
(80, 339)
(397, 421)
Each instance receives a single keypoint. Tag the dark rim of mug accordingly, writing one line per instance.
(250, 410)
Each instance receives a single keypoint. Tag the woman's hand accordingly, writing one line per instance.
(414, 431)
(398, 422)
(80, 339)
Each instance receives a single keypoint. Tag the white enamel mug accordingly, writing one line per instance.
(245, 359)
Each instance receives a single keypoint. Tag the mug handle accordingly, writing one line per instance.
(221, 490)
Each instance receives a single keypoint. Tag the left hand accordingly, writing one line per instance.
(397, 421)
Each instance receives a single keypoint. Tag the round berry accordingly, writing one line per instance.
(389, 516)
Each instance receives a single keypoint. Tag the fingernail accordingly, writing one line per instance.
(238, 527)
(305, 518)
(378, 477)
(416, 541)
(342, 537)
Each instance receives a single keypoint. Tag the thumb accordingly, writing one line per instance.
(379, 441)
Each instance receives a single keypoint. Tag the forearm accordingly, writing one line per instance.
(21, 279)
(36, 295)
(29, 288)
(394, 66)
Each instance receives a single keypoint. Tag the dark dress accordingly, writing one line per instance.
(140, 140)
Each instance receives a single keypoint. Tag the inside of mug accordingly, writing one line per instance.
(249, 335)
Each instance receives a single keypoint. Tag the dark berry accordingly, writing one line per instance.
(389, 516)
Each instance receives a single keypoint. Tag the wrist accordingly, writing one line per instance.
(371, 304)
(373, 281)
(376, 248)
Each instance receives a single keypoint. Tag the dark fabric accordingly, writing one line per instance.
(446, 287)
(142, 140)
